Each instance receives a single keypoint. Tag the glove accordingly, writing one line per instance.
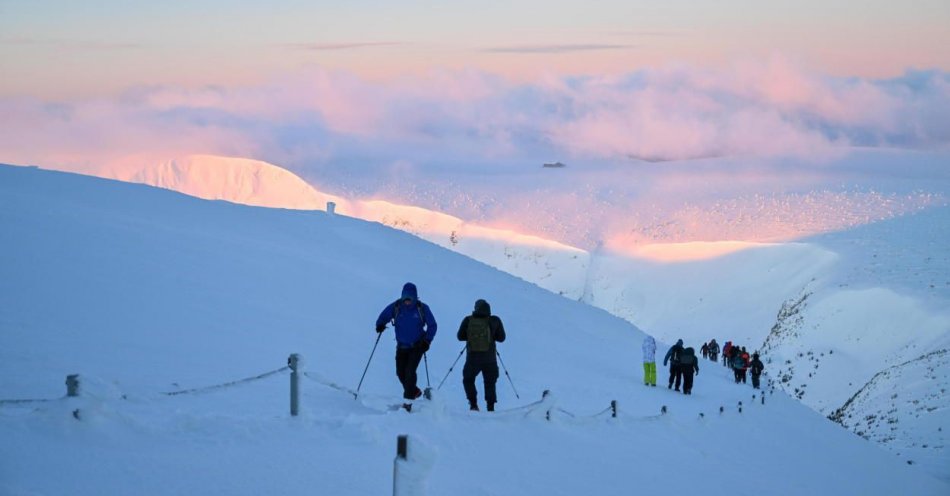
(423, 345)
(381, 328)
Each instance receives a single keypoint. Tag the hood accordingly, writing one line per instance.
(482, 309)
(689, 351)
(409, 291)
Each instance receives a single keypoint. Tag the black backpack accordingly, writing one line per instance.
(479, 334)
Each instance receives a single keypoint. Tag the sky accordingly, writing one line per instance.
(436, 104)
(57, 49)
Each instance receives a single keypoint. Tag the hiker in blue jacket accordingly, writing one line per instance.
(415, 329)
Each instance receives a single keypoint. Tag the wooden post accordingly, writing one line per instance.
(402, 453)
(294, 362)
(72, 385)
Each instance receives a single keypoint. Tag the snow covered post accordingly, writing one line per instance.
(411, 471)
(402, 453)
(294, 362)
(72, 385)
(613, 408)
(331, 208)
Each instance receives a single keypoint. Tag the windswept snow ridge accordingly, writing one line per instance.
(143, 291)
(849, 304)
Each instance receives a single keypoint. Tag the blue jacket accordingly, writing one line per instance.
(674, 353)
(414, 321)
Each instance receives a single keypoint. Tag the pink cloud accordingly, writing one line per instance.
(770, 107)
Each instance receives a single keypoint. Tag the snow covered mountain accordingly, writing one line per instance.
(551, 265)
(876, 295)
(151, 296)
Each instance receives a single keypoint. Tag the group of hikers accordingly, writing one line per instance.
(684, 364)
(737, 358)
(415, 328)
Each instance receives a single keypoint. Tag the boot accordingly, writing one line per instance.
(473, 406)
(490, 407)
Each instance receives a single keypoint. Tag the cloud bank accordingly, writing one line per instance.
(765, 108)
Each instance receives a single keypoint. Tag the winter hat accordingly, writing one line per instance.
(482, 309)
(409, 291)
(679, 342)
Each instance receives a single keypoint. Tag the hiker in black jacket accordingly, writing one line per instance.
(481, 331)
(757, 367)
(673, 358)
(688, 364)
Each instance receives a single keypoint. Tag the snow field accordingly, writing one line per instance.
(143, 291)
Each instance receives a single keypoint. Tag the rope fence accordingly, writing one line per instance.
(547, 406)
(227, 384)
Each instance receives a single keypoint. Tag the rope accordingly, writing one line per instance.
(16, 402)
(227, 384)
(329, 384)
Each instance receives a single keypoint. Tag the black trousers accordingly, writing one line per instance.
(688, 380)
(489, 370)
(407, 361)
(755, 380)
(676, 373)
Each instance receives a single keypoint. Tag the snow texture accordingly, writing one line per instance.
(146, 293)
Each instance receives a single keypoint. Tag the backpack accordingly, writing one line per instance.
(738, 362)
(398, 304)
(479, 334)
(687, 359)
(757, 367)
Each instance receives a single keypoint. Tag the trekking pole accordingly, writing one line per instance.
(452, 367)
(507, 375)
(425, 358)
(357, 393)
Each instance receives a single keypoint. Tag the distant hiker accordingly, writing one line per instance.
(745, 362)
(649, 361)
(705, 350)
(714, 350)
(756, 367)
(727, 354)
(481, 331)
(737, 364)
(688, 364)
(673, 358)
(415, 329)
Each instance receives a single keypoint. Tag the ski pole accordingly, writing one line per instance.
(426, 359)
(507, 375)
(356, 394)
(452, 367)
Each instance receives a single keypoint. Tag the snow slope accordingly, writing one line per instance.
(864, 282)
(145, 291)
(552, 265)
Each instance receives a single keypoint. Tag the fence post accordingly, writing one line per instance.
(293, 362)
(613, 408)
(72, 385)
(402, 453)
